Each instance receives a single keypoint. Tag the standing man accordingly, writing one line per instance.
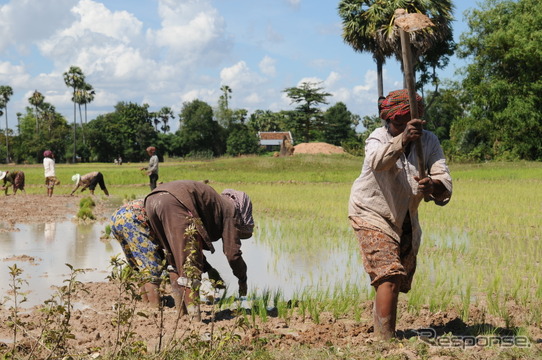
(384, 200)
(152, 169)
(49, 167)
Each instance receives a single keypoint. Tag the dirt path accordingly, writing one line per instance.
(91, 322)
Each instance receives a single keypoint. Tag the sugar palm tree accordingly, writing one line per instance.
(75, 79)
(226, 95)
(79, 99)
(36, 100)
(88, 94)
(368, 26)
(49, 113)
(165, 114)
(5, 93)
(154, 115)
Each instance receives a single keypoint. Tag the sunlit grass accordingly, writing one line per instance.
(483, 248)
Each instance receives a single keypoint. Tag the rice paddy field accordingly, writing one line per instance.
(481, 255)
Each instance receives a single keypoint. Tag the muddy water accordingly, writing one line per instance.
(53, 245)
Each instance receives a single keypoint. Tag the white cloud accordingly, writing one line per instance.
(239, 76)
(96, 18)
(22, 21)
(342, 94)
(206, 95)
(267, 66)
(99, 40)
(332, 79)
(13, 75)
(311, 80)
(191, 30)
(253, 99)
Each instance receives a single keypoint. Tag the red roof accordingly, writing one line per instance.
(275, 135)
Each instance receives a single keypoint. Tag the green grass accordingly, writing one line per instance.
(483, 248)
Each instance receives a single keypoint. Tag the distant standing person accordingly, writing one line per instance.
(89, 181)
(16, 178)
(152, 169)
(49, 166)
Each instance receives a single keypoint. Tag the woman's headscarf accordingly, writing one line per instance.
(244, 207)
(396, 103)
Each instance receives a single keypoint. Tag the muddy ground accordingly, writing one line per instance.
(94, 333)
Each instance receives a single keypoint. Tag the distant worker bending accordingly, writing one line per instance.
(89, 181)
(15, 178)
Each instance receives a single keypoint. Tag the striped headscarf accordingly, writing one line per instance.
(396, 103)
(243, 205)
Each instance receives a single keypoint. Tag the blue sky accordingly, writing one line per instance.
(166, 52)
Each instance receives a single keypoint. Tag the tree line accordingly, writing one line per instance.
(494, 111)
(204, 131)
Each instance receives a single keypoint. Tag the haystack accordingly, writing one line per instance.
(318, 148)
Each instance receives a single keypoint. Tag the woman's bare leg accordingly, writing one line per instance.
(385, 308)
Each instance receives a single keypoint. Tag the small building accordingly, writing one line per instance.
(272, 140)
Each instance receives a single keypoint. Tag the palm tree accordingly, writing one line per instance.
(88, 93)
(49, 114)
(165, 114)
(368, 25)
(226, 91)
(79, 99)
(36, 100)
(154, 115)
(5, 93)
(75, 79)
(83, 96)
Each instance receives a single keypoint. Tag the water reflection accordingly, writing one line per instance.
(49, 232)
(53, 245)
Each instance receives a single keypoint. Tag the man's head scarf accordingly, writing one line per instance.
(243, 206)
(396, 103)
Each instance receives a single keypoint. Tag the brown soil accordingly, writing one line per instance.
(91, 322)
(317, 148)
(30, 209)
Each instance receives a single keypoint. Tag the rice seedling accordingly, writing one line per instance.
(482, 248)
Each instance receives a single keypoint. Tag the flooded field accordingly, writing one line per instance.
(43, 250)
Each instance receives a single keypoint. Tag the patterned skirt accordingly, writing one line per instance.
(18, 182)
(130, 226)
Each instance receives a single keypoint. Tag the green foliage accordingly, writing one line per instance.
(368, 26)
(127, 132)
(198, 130)
(266, 120)
(355, 147)
(502, 82)
(442, 110)
(241, 141)
(338, 124)
(39, 129)
(18, 298)
(58, 311)
(308, 119)
(127, 281)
